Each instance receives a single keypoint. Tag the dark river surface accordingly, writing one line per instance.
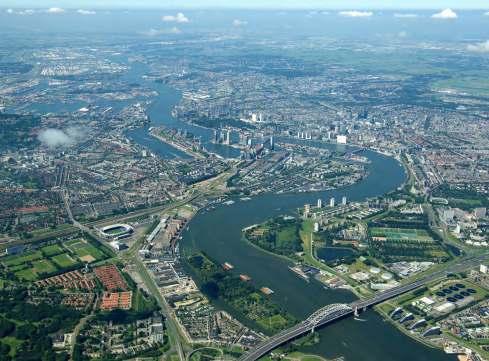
(217, 232)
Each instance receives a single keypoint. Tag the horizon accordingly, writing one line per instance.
(247, 5)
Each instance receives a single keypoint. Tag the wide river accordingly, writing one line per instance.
(218, 233)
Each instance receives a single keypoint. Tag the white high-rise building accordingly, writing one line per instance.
(228, 137)
(343, 200)
(331, 202)
(341, 139)
(320, 203)
(316, 227)
(307, 210)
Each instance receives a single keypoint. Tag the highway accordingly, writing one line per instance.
(335, 312)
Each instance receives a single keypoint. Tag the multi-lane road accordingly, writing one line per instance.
(335, 312)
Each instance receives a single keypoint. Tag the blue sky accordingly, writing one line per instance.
(276, 4)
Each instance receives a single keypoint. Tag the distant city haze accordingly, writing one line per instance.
(333, 4)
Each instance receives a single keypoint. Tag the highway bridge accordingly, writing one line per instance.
(335, 312)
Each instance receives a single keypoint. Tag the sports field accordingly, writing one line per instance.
(51, 250)
(401, 234)
(23, 258)
(43, 266)
(85, 251)
(64, 260)
(53, 258)
(27, 274)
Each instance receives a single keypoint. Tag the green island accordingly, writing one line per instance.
(280, 235)
(242, 295)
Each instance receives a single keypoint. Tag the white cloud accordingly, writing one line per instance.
(445, 14)
(85, 12)
(237, 23)
(356, 14)
(480, 47)
(20, 12)
(405, 15)
(402, 34)
(55, 11)
(179, 18)
(54, 138)
(156, 32)
(174, 30)
(486, 13)
(26, 12)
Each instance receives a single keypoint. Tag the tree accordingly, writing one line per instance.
(6, 327)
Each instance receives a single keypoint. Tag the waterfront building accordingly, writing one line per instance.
(480, 212)
(228, 137)
(307, 210)
(341, 139)
(343, 200)
(320, 203)
(331, 202)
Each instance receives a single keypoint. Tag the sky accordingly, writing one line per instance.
(274, 4)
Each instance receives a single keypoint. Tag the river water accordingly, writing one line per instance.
(217, 232)
(160, 114)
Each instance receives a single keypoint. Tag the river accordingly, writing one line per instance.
(160, 114)
(218, 233)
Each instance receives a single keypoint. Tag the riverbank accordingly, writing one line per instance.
(307, 258)
(220, 283)
(218, 232)
(156, 133)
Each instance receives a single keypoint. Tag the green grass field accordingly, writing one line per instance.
(471, 85)
(64, 260)
(400, 233)
(43, 266)
(82, 248)
(51, 250)
(276, 322)
(21, 259)
(27, 274)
